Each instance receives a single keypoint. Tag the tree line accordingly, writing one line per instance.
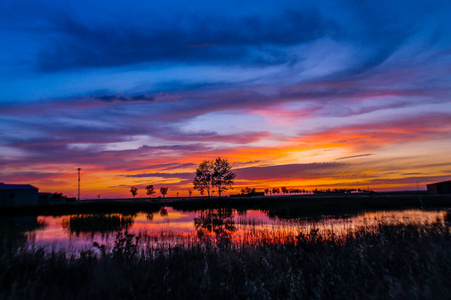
(211, 176)
(216, 176)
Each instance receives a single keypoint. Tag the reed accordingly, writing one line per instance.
(383, 261)
(97, 223)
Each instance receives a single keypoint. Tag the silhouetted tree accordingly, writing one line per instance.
(59, 196)
(150, 190)
(223, 175)
(217, 173)
(284, 190)
(190, 192)
(134, 191)
(267, 191)
(164, 191)
(247, 190)
(203, 180)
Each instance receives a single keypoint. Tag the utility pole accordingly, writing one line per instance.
(78, 184)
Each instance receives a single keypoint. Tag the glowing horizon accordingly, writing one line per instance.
(304, 95)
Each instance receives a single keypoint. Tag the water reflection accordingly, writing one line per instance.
(97, 224)
(16, 231)
(218, 221)
(171, 227)
(163, 212)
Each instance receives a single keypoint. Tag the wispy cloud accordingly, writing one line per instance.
(354, 156)
(290, 92)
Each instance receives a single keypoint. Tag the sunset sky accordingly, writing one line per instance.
(306, 94)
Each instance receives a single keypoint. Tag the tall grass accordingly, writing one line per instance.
(384, 261)
(97, 223)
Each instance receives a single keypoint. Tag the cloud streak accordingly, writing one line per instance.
(224, 39)
(293, 93)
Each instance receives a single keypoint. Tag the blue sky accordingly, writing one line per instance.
(120, 86)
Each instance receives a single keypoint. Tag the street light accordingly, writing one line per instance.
(78, 184)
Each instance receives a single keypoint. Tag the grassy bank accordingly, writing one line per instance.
(381, 262)
(85, 207)
(288, 207)
(275, 206)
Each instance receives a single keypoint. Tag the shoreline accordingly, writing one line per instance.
(284, 205)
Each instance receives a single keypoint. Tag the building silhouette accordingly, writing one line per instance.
(443, 187)
(18, 194)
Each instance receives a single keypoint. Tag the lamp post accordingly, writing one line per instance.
(78, 184)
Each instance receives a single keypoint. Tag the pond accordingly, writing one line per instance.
(170, 227)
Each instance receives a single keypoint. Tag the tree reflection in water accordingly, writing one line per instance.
(163, 213)
(15, 231)
(92, 224)
(219, 222)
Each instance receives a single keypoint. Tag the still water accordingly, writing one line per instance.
(170, 227)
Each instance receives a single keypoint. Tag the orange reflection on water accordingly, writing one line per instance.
(171, 227)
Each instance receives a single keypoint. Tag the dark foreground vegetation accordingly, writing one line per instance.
(398, 261)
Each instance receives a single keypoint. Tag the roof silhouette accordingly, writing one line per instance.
(17, 186)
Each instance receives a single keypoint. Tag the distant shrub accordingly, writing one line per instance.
(101, 223)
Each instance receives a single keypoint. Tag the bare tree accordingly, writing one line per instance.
(134, 191)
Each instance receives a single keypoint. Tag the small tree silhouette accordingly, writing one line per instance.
(164, 191)
(150, 190)
(190, 192)
(59, 196)
(134, 191)
(248, 191)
